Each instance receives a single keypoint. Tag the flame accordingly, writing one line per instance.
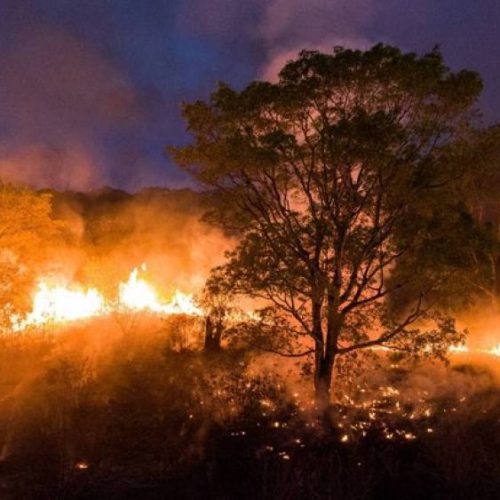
(138, 294)
(494, 351)
(58, 303)
(61, 304)
(458, 348)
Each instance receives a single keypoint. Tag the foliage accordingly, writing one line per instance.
(27, 232)
(133, 418)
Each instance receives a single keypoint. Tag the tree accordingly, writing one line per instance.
(27, 231)
(320, 172)
(215, 300)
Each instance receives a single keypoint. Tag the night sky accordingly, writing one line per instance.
(90, 90)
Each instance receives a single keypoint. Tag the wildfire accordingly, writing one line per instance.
(138, 294)
(495, 351)
(62, 303)
(463, 349)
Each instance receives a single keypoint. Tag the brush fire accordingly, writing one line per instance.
(318, 318)
(57, 303)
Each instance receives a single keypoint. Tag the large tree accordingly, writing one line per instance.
(333, 176)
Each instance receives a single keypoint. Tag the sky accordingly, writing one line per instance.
(91, 90)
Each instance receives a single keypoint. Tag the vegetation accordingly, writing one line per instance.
(127, 416)
(28, 232)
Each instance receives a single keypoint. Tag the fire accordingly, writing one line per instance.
(138, 294)
(60, 303)
(458, 348)
(495, 351)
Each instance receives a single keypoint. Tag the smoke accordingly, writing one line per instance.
(113, 232)
(288, 26)
(84, 104)
(277, 30)
(482, 322)
(61, 100)
(39, 165)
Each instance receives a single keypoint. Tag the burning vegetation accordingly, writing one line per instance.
(321, 321)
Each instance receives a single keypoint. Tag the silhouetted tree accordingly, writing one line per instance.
(216, 301)
(322, 172)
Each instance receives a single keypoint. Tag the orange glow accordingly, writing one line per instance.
(137, 294)
(61, 303)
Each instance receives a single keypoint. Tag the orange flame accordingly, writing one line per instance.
(138, 294)
(61, 304)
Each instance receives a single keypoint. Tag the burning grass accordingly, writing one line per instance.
(57, 303)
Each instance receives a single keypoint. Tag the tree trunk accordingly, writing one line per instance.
(213, 335)
(323, 379)
(325, 357)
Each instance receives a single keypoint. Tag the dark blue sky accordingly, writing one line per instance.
(90, 90)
